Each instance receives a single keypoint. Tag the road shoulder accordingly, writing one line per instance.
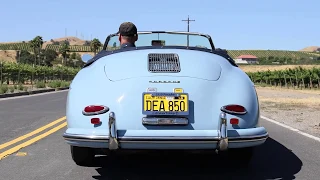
(297, 109)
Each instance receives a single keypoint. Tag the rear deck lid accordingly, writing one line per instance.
(162, 62)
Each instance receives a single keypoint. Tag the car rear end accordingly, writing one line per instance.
(159, 99)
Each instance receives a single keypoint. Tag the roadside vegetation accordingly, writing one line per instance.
(261, 68)
(4, 88)
(294, 78)
(16, 77)
(37, 67)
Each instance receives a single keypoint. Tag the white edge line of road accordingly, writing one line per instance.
(32, 95)
(291, 128)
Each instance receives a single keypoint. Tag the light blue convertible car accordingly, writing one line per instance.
(175, 90)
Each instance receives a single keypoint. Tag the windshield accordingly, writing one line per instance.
(165, 39)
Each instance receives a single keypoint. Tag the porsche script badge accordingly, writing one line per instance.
(164, 81)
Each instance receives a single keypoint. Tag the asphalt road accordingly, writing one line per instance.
(285, 155)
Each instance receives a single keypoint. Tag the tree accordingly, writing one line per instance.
(36, 45)
(26, 57)
(64, 49)
(95, 45)
(73, 55)
(48, 56)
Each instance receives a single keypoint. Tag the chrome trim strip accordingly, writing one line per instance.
(88, 138)
(188, 139)
(165, 121)
(170, 142)
(169, 138)
(223, 143)
(113, 142)
(249, 138)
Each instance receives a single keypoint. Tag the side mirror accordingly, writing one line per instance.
(86, 57)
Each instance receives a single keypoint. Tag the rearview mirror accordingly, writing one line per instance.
(86, 57)
(158, 42)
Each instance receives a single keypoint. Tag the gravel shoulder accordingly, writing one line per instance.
(299, 109)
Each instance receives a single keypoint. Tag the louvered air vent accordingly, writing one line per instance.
(163, 62)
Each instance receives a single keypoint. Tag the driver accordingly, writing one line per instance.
(127, 35)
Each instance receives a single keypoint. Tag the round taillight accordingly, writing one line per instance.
(234, 109)
(94, 110)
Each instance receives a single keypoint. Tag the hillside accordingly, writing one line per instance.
(9, 55)
(311, 49)
(73, 41)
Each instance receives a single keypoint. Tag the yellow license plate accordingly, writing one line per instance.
(157, 103)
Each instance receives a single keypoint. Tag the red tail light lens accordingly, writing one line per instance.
(234, 109)
(95, 121)
(94, 110)
(234, 121)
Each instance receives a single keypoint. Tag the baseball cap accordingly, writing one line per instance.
(127, 29)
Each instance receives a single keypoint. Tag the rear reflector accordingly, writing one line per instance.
(94, 110)
(234, 121)
(95, 121)
(234, 109)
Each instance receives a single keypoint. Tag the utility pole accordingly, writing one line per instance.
(188, 21)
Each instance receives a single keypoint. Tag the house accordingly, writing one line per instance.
(246, 59)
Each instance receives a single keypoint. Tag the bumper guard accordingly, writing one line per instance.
(223, 141)
(113, 141)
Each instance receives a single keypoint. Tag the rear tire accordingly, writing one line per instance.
(82, 156)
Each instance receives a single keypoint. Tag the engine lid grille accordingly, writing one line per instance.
(163, 62)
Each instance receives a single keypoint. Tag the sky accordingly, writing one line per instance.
(232, 24)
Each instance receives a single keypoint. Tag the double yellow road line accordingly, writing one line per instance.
(33, 140)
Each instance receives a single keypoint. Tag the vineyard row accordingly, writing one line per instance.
(24, 73)
(299, 77)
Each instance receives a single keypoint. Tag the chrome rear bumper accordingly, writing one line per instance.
(222, 141)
